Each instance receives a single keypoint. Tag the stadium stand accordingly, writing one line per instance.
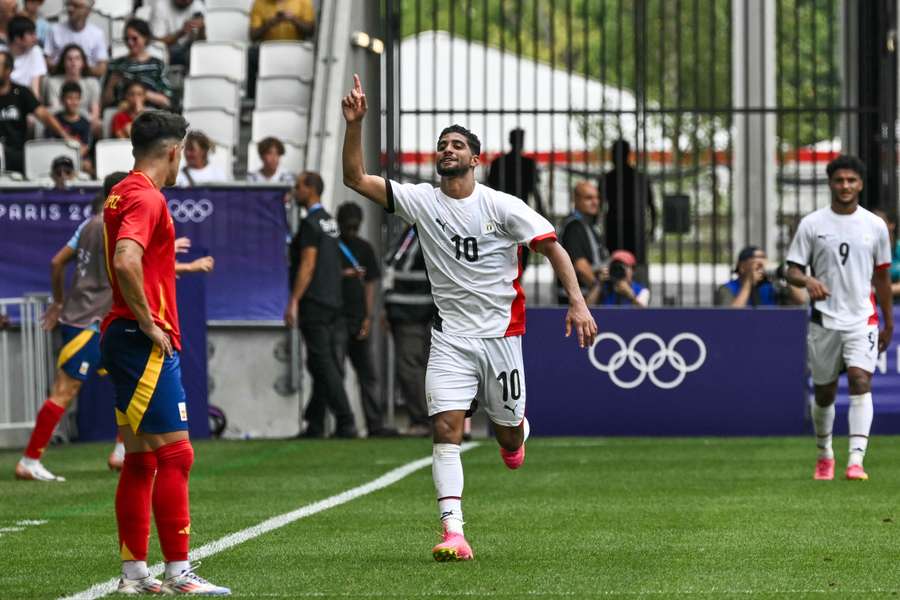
(287, 59)
(39, 155)
(52, 8)
(227, 25)
(284, 123)
(223, 59)
(219, 124)
(114, 8)
(244, 5)
(276, 92)
(111, 156)
(211, 92)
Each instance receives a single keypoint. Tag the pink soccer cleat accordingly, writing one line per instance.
(453, 548)
(824, 469)
(513, 460)
(856, 473)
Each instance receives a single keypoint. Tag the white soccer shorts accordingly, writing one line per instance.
(462, 369)
(829, 351)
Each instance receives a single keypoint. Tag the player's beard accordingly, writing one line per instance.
(458, 171)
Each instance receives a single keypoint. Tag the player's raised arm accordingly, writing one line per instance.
(354, 107)
(579, 317)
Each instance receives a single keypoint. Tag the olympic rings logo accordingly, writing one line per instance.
(648, 367)
(193, 211)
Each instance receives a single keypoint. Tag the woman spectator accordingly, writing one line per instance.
(73, 66)
(135, 98)
(197, 169)
(270, 151)
(137, 65)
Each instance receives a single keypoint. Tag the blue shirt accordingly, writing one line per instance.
(765, 293)
(610, 298)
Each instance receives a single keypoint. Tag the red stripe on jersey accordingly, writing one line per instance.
(883, 267)
(541, 238)
(517, 310)
(873, 320)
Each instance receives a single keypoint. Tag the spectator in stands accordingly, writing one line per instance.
(360, 275)
(135, 103)
(291, 20)
(197, 169)
(315, 303)
(621, 288)
(77, 30)
(751, 286)
(630, 213)
(580, 236)
(410, 310)
(178, 23)
(16, 103)
(138, 65)
(73, 67)
(73, 121)
(7, 12)
(32, 10)
(30, 66)
(62, 171)
(270, 151)
(890, 219)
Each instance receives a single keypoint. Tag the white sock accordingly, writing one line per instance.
(527, 429)
(135, 569)
(859, 417)
(823, 421)
(446, 468)
(119, 450)
(30, 462)
(177, 567)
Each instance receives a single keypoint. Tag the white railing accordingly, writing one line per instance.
(26, 360)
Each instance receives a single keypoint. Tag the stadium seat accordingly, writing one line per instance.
(222, 59)
(294, 158)
(211, 92)
(219, 124)
(113, 8)
(103, 22)
(52, 8)
(227, 25)
(244, 5)
(279, 92)
(111, 156)
(39, 155)
(288, 125)
(106, 119)
(286, 59)
(117, 29)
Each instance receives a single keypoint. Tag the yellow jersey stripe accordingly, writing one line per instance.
(72, 348)
(106, 253)
(162, 309)
(140, 400)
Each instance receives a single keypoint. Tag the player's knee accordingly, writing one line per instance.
(446, 430)
(859, 383)
(64, 392)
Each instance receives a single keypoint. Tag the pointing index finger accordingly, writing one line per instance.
(357, 85)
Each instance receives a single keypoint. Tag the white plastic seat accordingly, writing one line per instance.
(222, 59)
(227, 25)
(106, 119)
(113, 8)
(294, 158)
(52, 8)
(118, 49)
(117, 29)
(286, 59)
(244, 5)
(273, 92)
(217, 123)
(288, 125)
(102, 21)
(111, 156)
(39, 155)
(211, 92)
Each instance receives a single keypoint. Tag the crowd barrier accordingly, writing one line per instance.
(26, 360)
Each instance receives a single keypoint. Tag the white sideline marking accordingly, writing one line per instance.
(239, 537)
(31, 522)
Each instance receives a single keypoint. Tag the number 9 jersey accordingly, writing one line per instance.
(842, 252)
(471, 254)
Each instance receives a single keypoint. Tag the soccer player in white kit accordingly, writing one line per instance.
(470, 235)
(847, 249)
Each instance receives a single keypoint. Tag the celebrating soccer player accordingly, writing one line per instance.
(843, 244)
(140, 349)
(470, 235)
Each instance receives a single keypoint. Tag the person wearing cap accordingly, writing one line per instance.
(62, 171)
(621, 288)
(752, 287)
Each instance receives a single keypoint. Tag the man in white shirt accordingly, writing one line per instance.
(29, 67)
(847, 249)
(470, 236)
(77, 30)
(177, 23)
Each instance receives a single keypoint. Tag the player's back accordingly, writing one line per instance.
(89, 296)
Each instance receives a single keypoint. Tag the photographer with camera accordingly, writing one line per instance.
(618, 285)
(753, 287)
(580, 236)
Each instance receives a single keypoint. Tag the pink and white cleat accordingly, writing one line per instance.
(824, 469)
(513, 460)
(453, 548)
(856, 473)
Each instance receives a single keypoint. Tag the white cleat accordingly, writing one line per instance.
(145, 585)
(32, 469)
(191, 583)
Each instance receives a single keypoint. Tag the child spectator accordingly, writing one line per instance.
(270, 151)
(135, 102)
(72, 66)
(73, 121)
(197, 169)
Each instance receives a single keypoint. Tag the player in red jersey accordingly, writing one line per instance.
(140, 349)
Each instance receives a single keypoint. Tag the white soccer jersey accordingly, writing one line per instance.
(471, 254)
(843, 251)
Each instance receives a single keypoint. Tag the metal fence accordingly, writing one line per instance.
(26, 360)
(731, 108)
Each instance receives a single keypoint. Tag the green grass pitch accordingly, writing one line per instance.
(584, 518)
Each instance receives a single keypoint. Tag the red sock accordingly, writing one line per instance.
(133, 504)
(171, 508)
(47, 420)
